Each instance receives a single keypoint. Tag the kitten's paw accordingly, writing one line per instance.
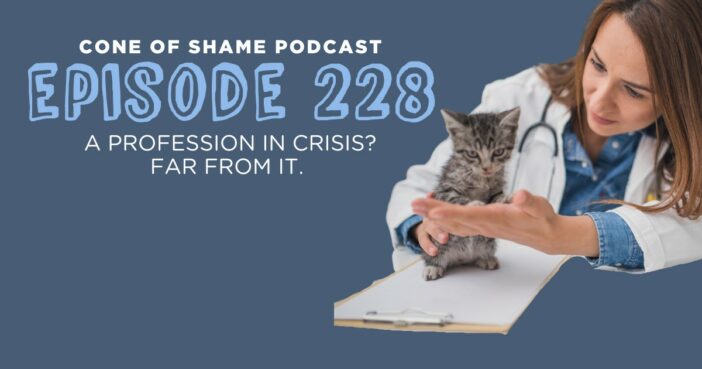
(433, 272)
(488, 263)
(475, 203)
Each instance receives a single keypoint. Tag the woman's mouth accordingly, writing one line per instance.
(600, 120)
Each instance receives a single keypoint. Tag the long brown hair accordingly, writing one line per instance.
(671, 34)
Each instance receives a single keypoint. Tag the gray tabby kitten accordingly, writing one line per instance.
(474, 175)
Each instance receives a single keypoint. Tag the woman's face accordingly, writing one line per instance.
(616, 87)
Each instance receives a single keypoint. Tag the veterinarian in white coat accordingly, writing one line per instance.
(665, 237)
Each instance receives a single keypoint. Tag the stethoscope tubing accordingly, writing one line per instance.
(520, 147)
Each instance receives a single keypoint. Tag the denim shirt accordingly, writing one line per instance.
(586, 182)
(606, 178)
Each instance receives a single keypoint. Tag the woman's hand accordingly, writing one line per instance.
(426, 229)
(528, 220)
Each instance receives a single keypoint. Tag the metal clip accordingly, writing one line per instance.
(408, 317)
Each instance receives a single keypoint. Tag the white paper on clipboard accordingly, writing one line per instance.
(468, 294)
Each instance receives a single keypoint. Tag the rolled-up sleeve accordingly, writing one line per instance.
(618, 246)
(403, 233)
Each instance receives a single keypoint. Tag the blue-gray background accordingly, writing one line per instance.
(105, 266)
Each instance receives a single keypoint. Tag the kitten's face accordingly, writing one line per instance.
(483, 141)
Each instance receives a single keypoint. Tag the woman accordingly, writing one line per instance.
(627, 110)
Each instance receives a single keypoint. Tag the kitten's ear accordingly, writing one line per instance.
(509, 119)
(452, 120)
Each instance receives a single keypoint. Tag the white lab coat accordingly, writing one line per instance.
(666, 239)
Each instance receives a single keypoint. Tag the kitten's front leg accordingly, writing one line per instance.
(475, 203)
(488, 262)
(487, 259)
(435, 266)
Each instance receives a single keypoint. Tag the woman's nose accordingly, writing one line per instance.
(602, 99)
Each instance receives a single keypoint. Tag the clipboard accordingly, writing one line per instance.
(465, 300)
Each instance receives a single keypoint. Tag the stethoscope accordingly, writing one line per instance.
(520, 148)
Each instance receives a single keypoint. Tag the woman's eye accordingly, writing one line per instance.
(633, 93)
(599, 67)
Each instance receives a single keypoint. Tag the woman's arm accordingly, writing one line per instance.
(666, 239)
(528, 220)
(618, 246)
(576, 235)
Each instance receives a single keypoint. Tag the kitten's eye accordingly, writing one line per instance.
(469, 153)
(498, 152)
